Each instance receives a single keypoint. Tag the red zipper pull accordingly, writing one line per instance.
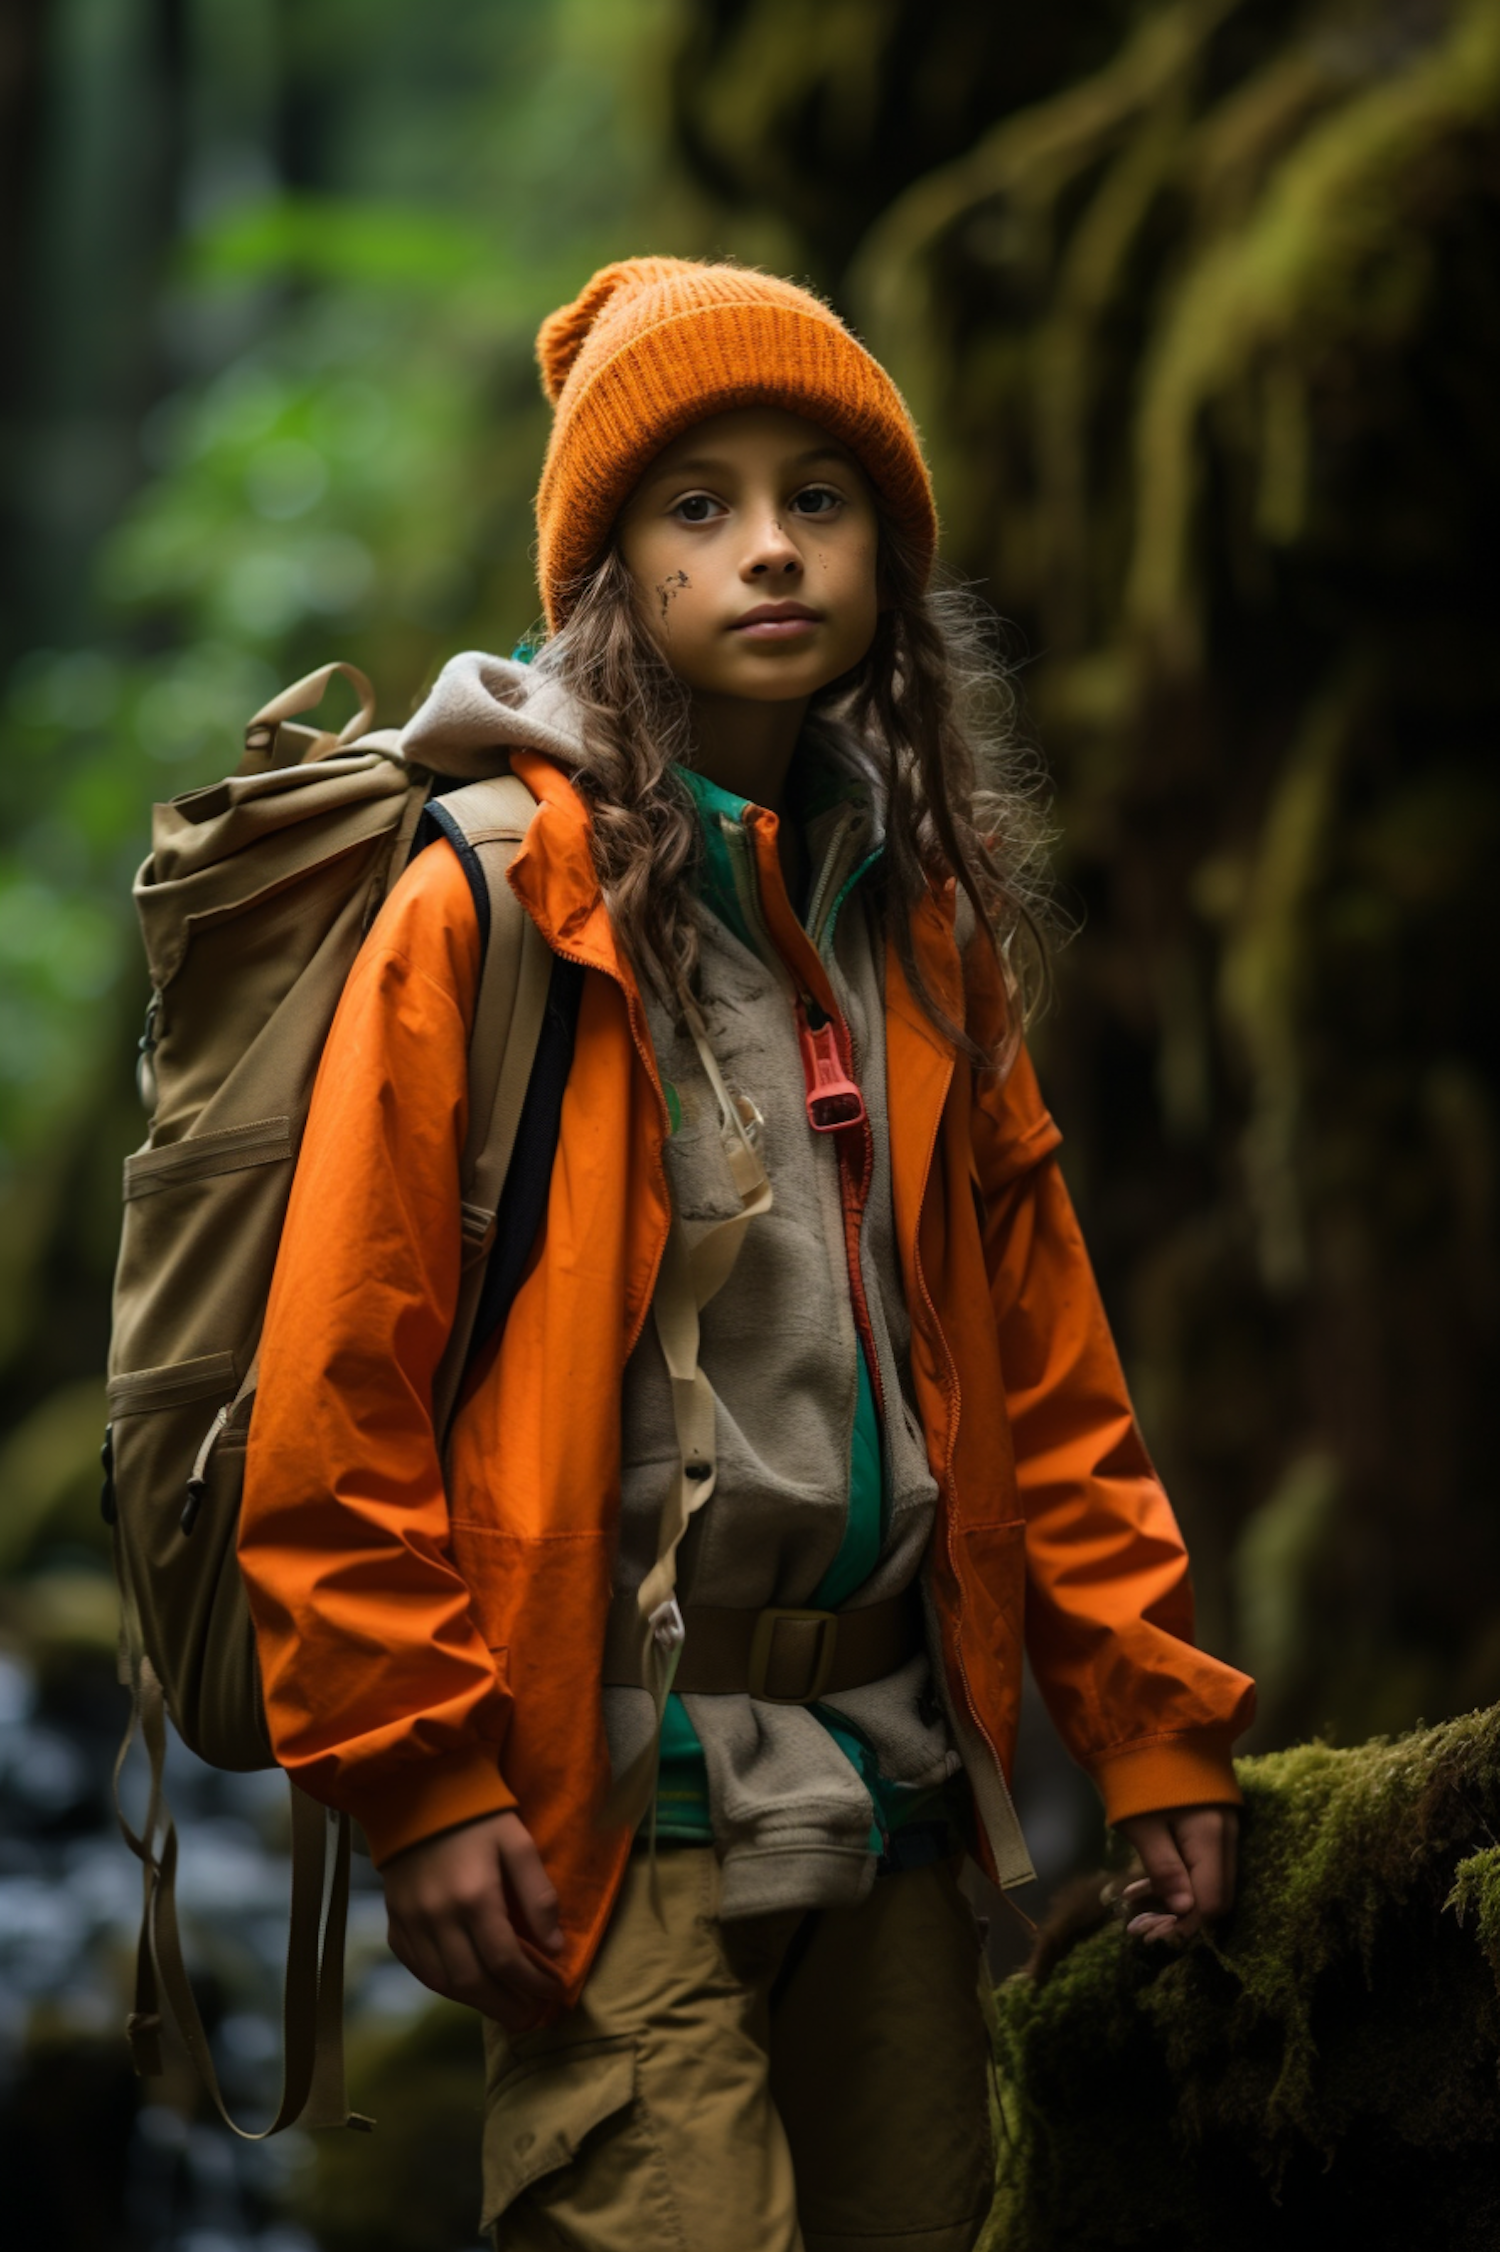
(833, 1100)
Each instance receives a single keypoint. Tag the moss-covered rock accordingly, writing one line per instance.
(1330, 2061)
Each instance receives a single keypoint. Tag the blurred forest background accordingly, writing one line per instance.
(1196, 304)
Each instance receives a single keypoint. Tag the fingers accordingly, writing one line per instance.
(411, 1949)
(470, 1954)
(502, 1978)
(1190, 1858)
(1171, 1886)
(1203, 1837)
(1162, 1900)
(529, 1888)
(450, 1921)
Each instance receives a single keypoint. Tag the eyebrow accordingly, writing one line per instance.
(711, 465)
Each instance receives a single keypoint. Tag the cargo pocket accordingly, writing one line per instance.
(549, 2116)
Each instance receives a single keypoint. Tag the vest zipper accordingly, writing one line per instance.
(854, 1188)
(843, 1066)
(833, 1099)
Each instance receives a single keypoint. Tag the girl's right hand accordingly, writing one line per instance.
(461, 1907)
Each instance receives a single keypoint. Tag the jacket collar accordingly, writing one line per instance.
(553, 873)
(482, 703)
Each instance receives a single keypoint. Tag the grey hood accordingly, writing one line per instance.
(479, 704)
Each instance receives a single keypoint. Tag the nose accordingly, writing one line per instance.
(771, 552)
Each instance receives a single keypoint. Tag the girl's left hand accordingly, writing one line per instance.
(1188, 1853)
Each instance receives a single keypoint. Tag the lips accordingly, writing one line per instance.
(771, 617)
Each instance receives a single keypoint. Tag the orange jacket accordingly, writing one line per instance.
(431, 1649)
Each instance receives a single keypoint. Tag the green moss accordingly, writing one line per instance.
(1330, 250)
(1332, 2057)
(1476, 1892)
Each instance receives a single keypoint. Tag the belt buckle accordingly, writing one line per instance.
(760, 1652)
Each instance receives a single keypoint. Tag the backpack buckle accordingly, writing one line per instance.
(668, 1630)
(478, 1226)
(788, 1642)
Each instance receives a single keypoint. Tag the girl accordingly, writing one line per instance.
(807, 1383)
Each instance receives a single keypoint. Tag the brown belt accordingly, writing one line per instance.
(788, 1657)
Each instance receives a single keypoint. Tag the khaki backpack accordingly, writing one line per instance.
(253, 904)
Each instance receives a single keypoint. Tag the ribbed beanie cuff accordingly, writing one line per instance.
(652, 346)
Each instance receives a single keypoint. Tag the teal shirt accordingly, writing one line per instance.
(682, 1788)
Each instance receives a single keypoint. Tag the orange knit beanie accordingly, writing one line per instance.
(653, 345)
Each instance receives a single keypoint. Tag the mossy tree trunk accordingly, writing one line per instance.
(1201, 327)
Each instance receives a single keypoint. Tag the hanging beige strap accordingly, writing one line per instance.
(313, 2092)
(513, 987)
(690, 1276)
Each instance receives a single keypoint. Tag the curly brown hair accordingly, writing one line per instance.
(933, 702)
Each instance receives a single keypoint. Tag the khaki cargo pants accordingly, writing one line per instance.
(773, 2084)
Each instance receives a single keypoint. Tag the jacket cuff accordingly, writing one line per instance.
(1193, 1769)
(418, 1802)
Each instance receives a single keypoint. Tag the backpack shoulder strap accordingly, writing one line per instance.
(485, 823)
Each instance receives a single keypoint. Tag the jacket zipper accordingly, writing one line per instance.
(849, 822)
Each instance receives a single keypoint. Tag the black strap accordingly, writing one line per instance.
(437, 821)
(523, 1201)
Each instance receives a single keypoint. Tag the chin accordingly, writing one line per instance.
(780, 683)
(780, 688)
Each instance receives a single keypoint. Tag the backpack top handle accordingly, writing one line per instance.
(272, 741)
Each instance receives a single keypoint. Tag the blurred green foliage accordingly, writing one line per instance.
(324, 398)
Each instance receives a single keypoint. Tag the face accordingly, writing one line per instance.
(752, 543)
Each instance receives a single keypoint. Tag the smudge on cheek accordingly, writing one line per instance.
(673, 583)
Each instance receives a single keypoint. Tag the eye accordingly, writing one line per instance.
(818, 500)
(696, 508)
